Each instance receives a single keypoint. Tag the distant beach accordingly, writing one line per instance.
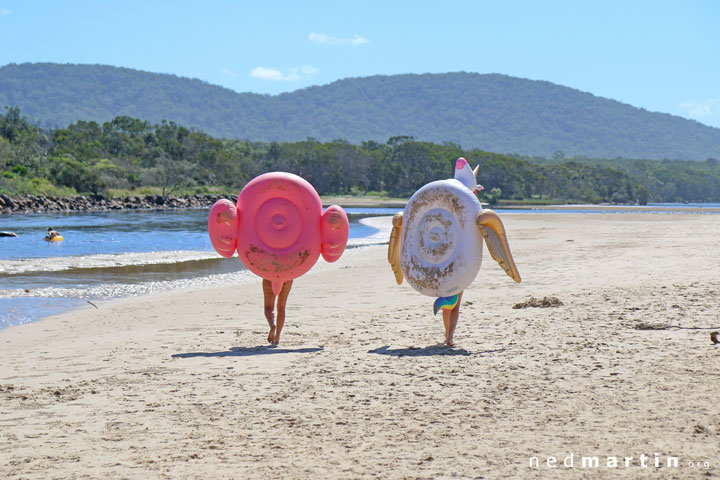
(181, 385)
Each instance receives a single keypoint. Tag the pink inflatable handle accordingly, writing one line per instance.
(223, 227)
(335, 229)
(278, 228)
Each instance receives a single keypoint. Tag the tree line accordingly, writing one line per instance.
(497, 113)
(129, 155)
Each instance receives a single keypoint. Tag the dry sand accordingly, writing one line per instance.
(181, 385)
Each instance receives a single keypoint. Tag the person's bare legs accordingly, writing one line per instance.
(281, 302)
(269, 299)
(446, 321)
(450, 319)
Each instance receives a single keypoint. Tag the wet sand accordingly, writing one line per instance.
(182, 385)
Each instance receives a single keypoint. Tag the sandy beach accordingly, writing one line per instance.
(182, 385)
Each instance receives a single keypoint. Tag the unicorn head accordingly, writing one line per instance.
(467, 176)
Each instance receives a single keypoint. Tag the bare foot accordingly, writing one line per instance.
(450, 342)
(270, 317)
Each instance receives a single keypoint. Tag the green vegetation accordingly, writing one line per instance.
(494, 113)
(132, 156)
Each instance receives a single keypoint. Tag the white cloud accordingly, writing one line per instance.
(229, 73)
(5, 11)
(321, 39)
(292, 74)
(309, 71)
(702, 109)
(266, 73)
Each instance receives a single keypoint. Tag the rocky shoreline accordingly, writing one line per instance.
(41, 204)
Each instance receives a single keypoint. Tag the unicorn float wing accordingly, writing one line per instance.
(394, 247)
(278, 228)
(493, 231)
(436, 242)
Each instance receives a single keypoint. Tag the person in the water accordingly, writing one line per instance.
(52, 233)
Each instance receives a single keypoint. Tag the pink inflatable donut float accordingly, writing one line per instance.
(278, 227)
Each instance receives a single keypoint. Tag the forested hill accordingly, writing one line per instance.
(494, 113)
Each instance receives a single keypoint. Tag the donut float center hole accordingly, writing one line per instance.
(435, 235)
(438, 233)
(279, 221)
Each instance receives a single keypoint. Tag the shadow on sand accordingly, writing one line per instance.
(432, 350)
(248, 351)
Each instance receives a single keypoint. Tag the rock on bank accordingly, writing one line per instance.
(37, 204)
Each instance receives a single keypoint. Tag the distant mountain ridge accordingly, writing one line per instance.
(491, 112)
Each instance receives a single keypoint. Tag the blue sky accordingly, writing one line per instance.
(659, 55)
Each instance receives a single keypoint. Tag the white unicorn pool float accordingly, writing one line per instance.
(436, 242)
